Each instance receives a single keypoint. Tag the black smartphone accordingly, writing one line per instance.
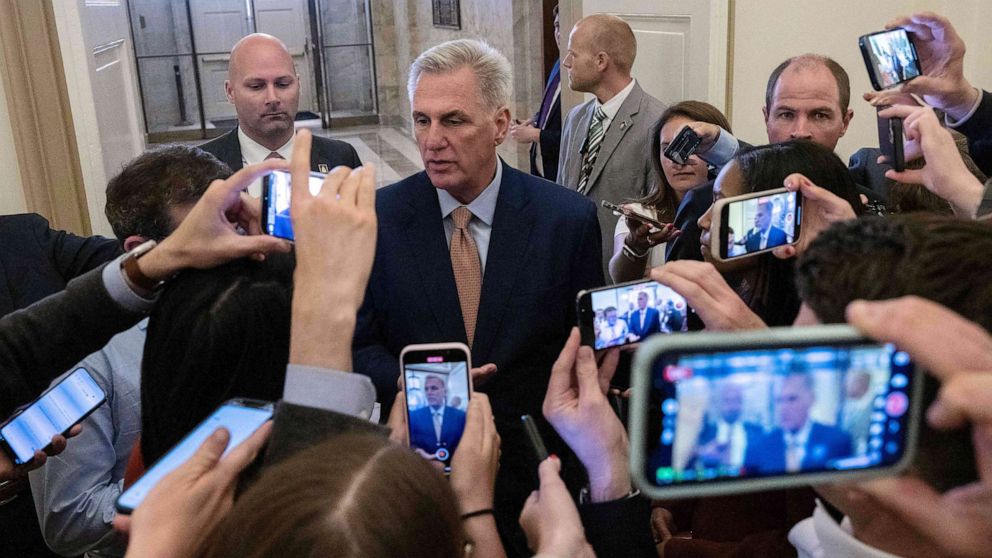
(755, 223)
(438, 384)
(890, 140)
(617, 208)
(628, 313)
(890, 57)
(729, 413)
(241, 417)
(534, 437)
(276, 192)
(684, 145)
(61, 407)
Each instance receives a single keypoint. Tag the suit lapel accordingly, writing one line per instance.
(432, 260)
(231, 152)
(618, 129)
(512, 224)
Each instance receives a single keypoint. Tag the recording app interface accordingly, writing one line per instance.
(759, 224)
(759, 413)
(277, 221)
(240, 421)
(437, 393)
(629, 314)
(893, 57)
(52, 414)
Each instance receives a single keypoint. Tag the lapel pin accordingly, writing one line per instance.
(623, 125)
(322, 168)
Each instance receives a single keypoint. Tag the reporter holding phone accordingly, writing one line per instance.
(637, 245)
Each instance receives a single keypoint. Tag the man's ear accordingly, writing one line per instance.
(502, 124)
(229, 90)
(847, 121)
(602, 61)
(133, 241)
(764, 111)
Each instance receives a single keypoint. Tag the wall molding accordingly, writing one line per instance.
(40, 115)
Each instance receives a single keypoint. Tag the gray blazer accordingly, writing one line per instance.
(623, 169)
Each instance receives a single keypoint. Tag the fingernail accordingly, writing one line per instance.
(553, 456)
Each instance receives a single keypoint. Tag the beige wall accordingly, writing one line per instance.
(768, 31)
(404, 29)
(11, 194)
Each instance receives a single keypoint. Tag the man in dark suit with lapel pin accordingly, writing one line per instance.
(265, 90)
(473, 250)
(605, 142)
(764, 234)
(543, 130)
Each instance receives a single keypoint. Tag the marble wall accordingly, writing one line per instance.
(404, 28)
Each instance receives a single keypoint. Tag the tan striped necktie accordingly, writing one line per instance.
(467, 267)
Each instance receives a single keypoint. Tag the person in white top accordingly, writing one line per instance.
(612, 331)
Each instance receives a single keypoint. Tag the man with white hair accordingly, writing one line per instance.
(473, 250)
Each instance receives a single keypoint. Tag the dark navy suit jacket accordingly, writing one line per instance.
(652, 322)
(776, 237)
(544, 248)
(824, 444)
(422, 429)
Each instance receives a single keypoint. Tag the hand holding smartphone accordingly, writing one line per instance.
(683, 146)
(627, 212)
(724, 413)
(437, 386)
(55, 411)
(890, 140)
(755, 223)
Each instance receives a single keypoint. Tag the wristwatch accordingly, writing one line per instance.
(133, 271)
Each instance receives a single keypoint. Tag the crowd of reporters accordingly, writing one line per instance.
(316, 326)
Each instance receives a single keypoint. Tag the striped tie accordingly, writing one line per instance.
(593, 141)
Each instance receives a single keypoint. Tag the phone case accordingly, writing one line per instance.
(716, 224)
(641, 376)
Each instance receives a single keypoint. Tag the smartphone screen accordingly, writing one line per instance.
(55, 412)
(240, 417)
(890, 57)
(628, 313)
(756, 224)
(437, 386)
(276, 192)
(725, 415)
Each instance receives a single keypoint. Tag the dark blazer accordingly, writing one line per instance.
(776, 237)
(686, 245)
(824, 444)
(422, 429)
(550, 140)
(619, 527)
(543, 249)
(978, 130)
(652, 322)
(324, 151)
(36, 261)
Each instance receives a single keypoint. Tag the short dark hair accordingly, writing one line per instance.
(662, 197)
(140, 197)
(356, 495)
(879, 258)
(809, 61)
(214, 334)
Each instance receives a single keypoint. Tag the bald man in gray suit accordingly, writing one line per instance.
(605, 142)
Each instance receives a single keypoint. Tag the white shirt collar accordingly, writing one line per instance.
(483, 207)
(253, 152)
(800, 436)
(612, 107)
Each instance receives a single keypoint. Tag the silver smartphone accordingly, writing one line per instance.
(755, 223)
(719, 413)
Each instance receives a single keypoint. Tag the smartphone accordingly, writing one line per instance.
(719, 413)
(890, 57)
(626, 212)
(755, 223)
(276, 191)
(437, 385)
(55, 411)
(241, 417)
(890, 140)
(534, 436)
(619, 315)
(683, 146)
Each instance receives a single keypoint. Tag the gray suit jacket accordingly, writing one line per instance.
(623, 169)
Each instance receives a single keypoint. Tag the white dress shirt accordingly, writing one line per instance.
(483, 209)
(795, 447)
(612, 107)
(253, 152)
